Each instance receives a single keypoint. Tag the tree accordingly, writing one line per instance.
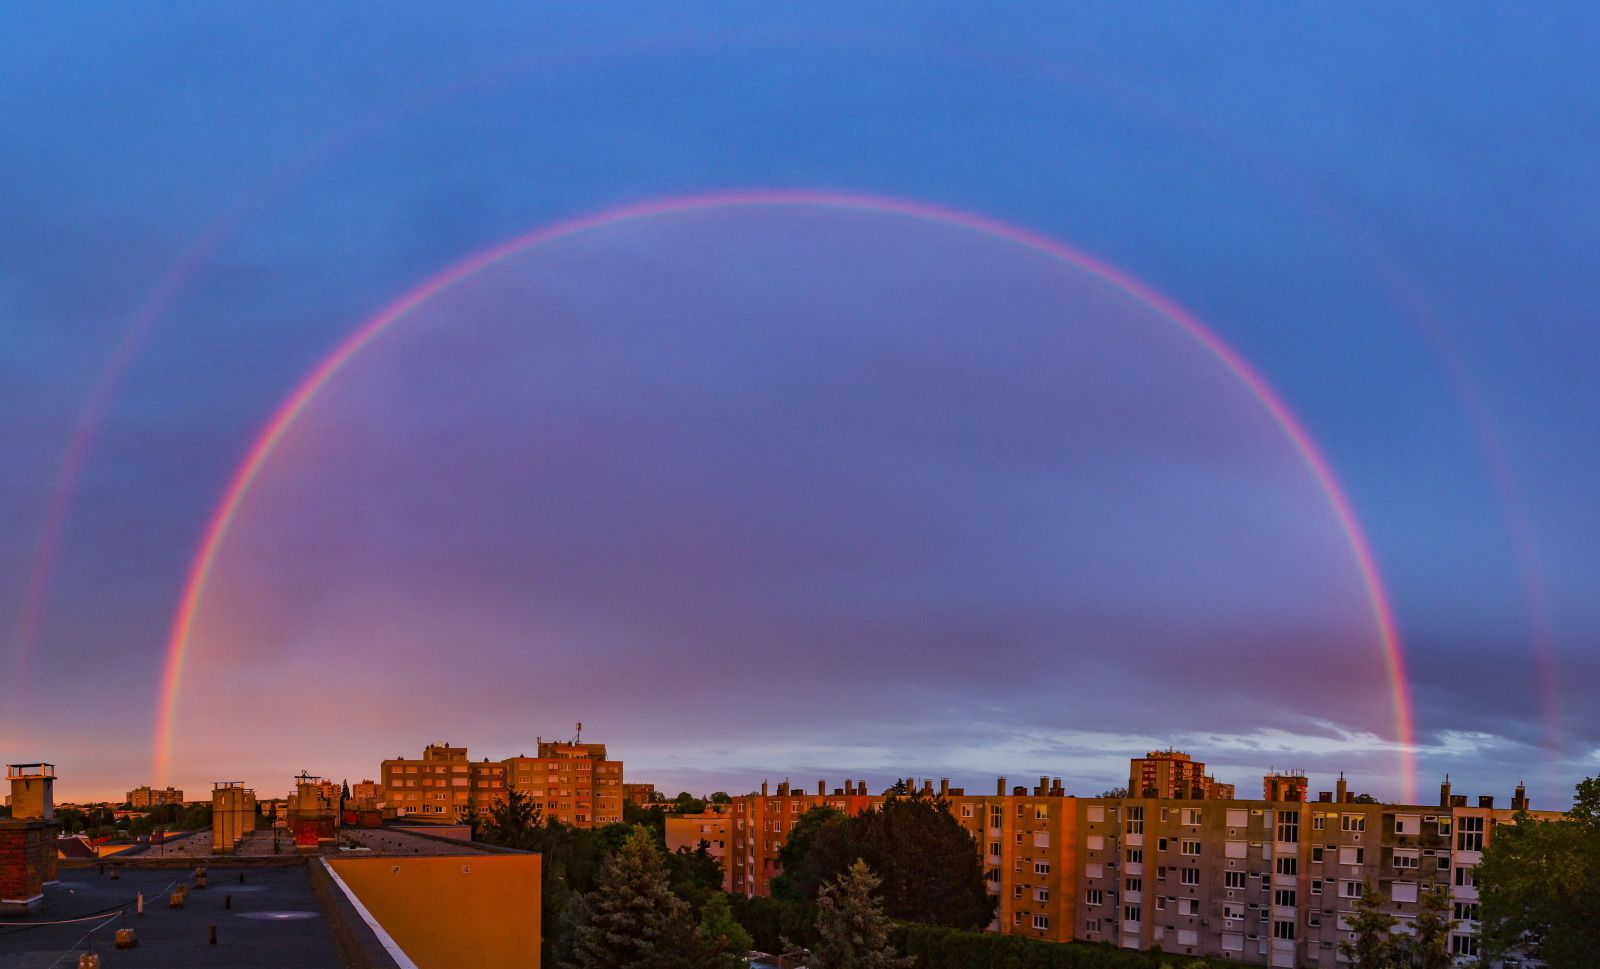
(1374, 947)
(792, 856)
(1430, 942)
(928, 863)
(850, 923)
(727, 936)
(1115, 792)
(632, 921)
(1364, 799)
(1539, 885)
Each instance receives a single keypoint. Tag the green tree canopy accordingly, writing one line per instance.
(1374, 947)
(852, 930)
(1539, 886)
(633, 921)
(928, 863)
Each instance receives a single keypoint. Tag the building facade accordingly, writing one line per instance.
(574, 783)
(1173, 774)
(1268, 882)
(144, 797)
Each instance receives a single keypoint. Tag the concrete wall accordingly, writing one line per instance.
(458, 912)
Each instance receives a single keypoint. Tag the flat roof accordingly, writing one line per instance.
(276, 920)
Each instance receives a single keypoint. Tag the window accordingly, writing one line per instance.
(1016, 918)
(1019, 839)
(1161, 873)
(1189, 906)
(1232, 910)
(1288, 825)
(1094, 896)
(1041, 812)
(1135, 856)
(1189, 847)
(994, 849)
(1283, 930)
(1161, 844)
(1288, 866)
(1352, 856)
(1316, 886)
(1284, 896)
(1316, 854)
(1467, 877)
(1353, 822)
(1161, 903)
(1020, 809)
(966, 810)
(1132, 913)
(1041, 894)
(1464, 945)
(1094, 871)
(1406, 859)
(1237, 818)
(1135, 820)
(1016, 891)
(1444, 827)
(1469, 834)
(1133, 884)
(1407, 824)
(1096, 842)
(1041, 921)
(1467, 911)
(1232, 879)
(1191, 816)
(1314, 920)
(1019, 864)
(1096, 814)
(1091, 925)
(1317, 822)
(1351, 890)
(1191, 876)
(1041, 868)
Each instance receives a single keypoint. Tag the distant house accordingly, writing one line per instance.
(75, 848)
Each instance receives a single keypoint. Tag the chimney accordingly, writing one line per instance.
(822, 788)
(927, 786)
(1444, 792)
(1325, 797)
(763, 788)
(1000, 787)
(1486, 800)
(1341, 790)
(944, 787)
(32, 791)
(1019, 791)
(1055, 787)
(783, 789)
(1519, 800)
(1044, 786)
(861, 788)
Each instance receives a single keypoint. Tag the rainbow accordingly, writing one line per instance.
(216, 531)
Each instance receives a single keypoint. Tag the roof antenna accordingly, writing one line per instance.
(579, 737)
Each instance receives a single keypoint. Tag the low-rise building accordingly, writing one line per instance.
(714, 827)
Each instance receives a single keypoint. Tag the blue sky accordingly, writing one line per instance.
(1388, 212)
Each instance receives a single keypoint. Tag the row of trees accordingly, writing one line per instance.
(614, 896)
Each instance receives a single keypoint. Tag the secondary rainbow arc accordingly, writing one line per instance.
(283, 419)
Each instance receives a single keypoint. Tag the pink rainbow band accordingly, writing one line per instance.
(217, 529)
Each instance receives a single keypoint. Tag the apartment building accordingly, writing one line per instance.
(434, 787)
(714, 826)
(639, 793)
(1173, 774)
(144, 797)
(761, 822)
(574, 783)
(1268, 882)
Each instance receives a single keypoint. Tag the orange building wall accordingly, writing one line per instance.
(456, 912)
